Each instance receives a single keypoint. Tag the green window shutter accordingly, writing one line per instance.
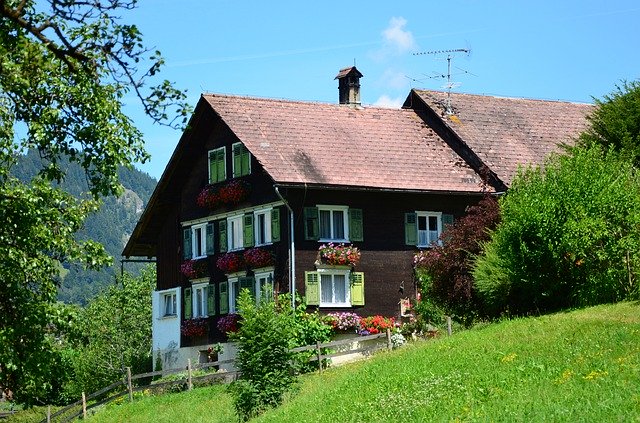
(210, 244)
(355, 225)
(248, 283)
(246, 160)
(357, 288)
(311, 224)
(188, 305)
(312, 288)
(213, 167)
(211, 300)
(411, 229)
(221, 168)
(237, 160)
(247, 236)
(447, 219)
(222, 235)
(275, 225)
(223, 298)
(187, 251)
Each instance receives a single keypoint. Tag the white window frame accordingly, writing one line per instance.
(235, 237)
(427, 215)
(224, 160)
(347, 286)
(171, 296)
(263, 274)
(234, 285)
(267, 227)
(202, 228)
(199, 305)
(345, 220)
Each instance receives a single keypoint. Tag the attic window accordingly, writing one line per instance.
(241, 160)
(217, 165)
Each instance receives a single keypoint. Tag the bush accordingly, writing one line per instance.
(569, 237)
(444, 271)
(264, 339)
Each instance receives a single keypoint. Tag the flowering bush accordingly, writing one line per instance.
(343, 321)
(229, 323)
(339, 254)
(397, 340)
(194, 269)
(194, 327)
(375, 324)
(230, 262)
(213, 196)
(258, 257)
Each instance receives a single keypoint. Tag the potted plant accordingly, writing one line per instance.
(194, 328)
(257, 257)
(339, 255)
(230, 262)
(194, 269)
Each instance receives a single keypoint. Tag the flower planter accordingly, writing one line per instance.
(338, 255)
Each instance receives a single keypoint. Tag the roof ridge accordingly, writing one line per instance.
(294, 101)
(502, 97)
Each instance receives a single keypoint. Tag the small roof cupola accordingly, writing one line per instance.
(349, 86)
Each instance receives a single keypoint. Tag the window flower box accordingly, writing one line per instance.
(229, 323)
(375, 324)
(194, 328)
(338, 255)
(343, 322)
(231, 262)
(194, 269)
(217, 195)
(256, 258)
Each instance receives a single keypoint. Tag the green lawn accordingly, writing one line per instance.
(577, 366)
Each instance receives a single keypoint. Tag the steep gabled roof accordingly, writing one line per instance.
(332, 145)
(508, 132)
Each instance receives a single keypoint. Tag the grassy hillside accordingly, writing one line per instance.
(577, 366)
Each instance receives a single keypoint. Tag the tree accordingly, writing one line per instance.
(65, 68)
(615, 123)
(569, 236)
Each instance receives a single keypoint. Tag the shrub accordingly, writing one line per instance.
(264, 360)
(569, 236)
(444, 271)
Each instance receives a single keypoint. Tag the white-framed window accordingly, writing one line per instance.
(168, 304)
(199, 298)
(241, 160)
(264, 285)
(217, 165)
(334, 288)
(262, 227)
(234, 232)
(333, 223)
(260, 286)
(199, 241)
(429, 227)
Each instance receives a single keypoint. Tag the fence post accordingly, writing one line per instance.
(48, 414)
(389, 345)
(449, 325)
(129, 384)
(319, 355)
(84, 406)
(189, 384)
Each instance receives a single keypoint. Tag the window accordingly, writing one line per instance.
(169, 304)
(333, 223)
(260, 287)
(334, 291)
(423, 228)
(262, 227)
(241, 160)
(198, 241)
(234, 233)
(264, 286)
(200, 296)
(217, 165)
(334, 287)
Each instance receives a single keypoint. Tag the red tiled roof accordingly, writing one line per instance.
(508, 132)
(327, 144)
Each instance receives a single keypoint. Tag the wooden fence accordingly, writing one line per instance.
(128, 387)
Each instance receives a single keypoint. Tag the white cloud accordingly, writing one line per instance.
(386, 101)
(396, 39)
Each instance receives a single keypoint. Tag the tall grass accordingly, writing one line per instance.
(577, 366)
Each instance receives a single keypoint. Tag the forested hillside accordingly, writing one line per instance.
(111, 226)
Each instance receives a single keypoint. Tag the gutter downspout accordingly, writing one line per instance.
(292, 250)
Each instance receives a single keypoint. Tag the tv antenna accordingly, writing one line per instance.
(449, 85)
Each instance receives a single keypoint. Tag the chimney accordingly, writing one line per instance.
(349, 86)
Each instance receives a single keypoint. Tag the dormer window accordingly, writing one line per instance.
(217, 165)
(241, 160)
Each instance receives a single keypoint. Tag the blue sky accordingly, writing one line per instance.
(570, 50)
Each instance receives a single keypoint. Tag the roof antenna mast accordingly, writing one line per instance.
(449, 84)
